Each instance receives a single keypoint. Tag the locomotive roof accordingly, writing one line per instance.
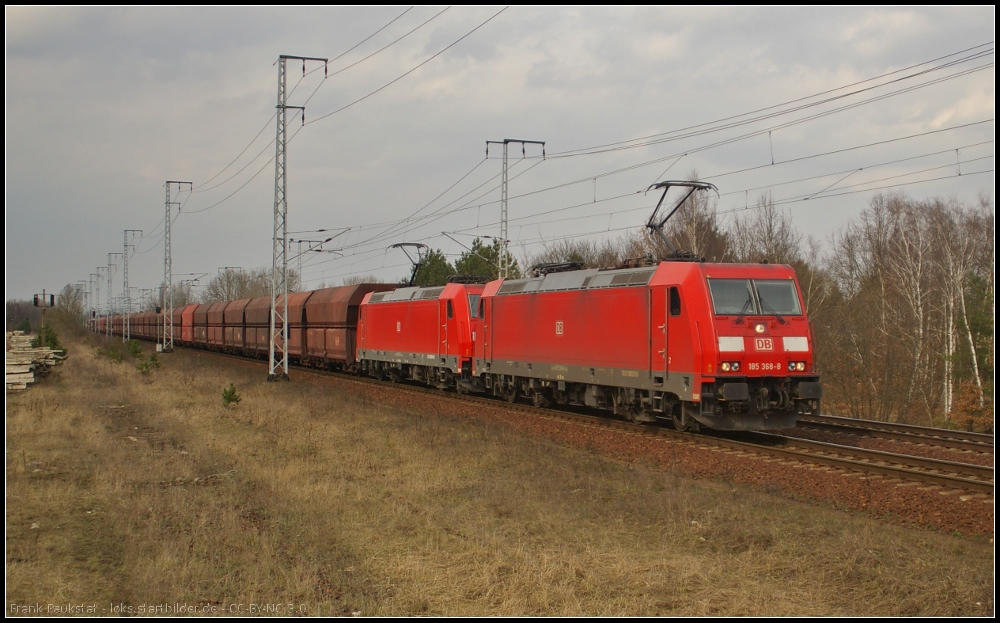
(594, 278)
(418, 293)
(580, 280)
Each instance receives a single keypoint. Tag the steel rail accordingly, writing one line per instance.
(965, 440)
(979, 472)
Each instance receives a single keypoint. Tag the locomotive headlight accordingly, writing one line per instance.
(736, 366)
(800, 366)
(725, 366)
(791, 366)
(759, 327)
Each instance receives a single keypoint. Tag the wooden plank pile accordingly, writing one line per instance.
(24, 362)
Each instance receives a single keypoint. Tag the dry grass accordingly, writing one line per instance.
(146, 490)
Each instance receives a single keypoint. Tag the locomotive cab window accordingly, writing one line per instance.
(778, 297)
(732, 297)
(474, 306)
(675, 301)
(450, 312)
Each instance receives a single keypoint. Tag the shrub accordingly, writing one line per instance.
(47, 338)
(967, 414)
(134, 348)
(115, 351)
(229, 396)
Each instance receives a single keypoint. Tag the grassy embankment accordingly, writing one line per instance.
(131, 488)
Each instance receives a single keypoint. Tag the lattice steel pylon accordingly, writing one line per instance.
(277, 352)
(167, 297)
(97, 298)
(126, 295)
(111, 273)
(504, 241)
(95, 301)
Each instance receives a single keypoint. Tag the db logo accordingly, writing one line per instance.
(763, 343)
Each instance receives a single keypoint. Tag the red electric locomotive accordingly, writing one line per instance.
(421, 334)
(727, 346)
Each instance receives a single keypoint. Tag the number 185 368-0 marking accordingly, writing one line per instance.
(766, 366)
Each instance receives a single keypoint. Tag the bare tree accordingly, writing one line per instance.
(764, 233)
(592, 253)
(358, 279)
(20, 311)
(70, 300)
(863, 356)
(909, 265)
(230, 285)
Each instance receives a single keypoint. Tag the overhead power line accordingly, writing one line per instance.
(394, 81)
(268, 122)
(397, 79)
(979, 53)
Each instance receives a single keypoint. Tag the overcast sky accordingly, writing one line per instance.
(104, 105)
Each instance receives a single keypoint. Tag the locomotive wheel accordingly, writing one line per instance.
(538, 399)
(510, 393)
(459, 389)
(681, 421)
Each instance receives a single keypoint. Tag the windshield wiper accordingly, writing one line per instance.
(769, 309)
(743, 312)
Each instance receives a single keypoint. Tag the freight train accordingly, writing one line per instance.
(695, 344)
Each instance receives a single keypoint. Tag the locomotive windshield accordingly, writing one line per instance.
(737, 297)
(731, 296)
(778, 297)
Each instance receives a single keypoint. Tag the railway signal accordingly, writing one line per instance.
(44, 300)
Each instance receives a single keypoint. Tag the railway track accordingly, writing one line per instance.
(950, 439)
(975, 479)
(965, 476)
